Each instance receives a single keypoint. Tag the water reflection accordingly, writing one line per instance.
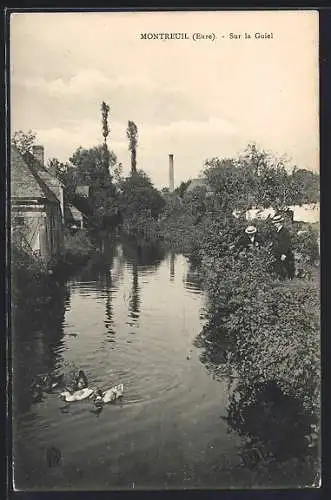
(170, 413)
(193, 279)
(109, 291)
(143, 253)
(134, 300)
(37, 341)
(274, 426)
(172, 266)
(276, 431)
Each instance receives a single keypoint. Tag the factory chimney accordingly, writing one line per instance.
(171, 173)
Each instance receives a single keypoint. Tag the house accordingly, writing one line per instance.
(196, 183)
(77, 208)
(75, 218)
(199, 183)
(37, 206)
(309, 212)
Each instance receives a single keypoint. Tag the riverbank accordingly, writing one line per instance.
(264, 334)
(34, 283)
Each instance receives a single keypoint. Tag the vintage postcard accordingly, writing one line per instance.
(165, 250)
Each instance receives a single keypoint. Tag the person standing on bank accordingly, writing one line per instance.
(282, 249)
(250, 239)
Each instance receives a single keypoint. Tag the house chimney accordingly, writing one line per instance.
(38, 153)
(171, 173)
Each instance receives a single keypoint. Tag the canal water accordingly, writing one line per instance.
(132, 317)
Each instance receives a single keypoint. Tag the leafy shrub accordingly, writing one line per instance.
(270, 327)
(276, 338)
(77, 247)
(141, 226)
(305, 245)
(178, 232)
(31, 286)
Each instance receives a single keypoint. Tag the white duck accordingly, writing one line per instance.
(76, 396)
(110, 395)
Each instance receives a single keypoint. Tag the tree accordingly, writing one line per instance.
(65, 172)
(306, 186)
(105, 112)
(105, 132)
(90, 165)
(140, 196)
(90, 170)
(195, 200)
(132, 135)
(255, 178)
(181, 189)
(229, 184)
(24, 141)
(118, 173)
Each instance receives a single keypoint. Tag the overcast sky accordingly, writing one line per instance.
(196, 100)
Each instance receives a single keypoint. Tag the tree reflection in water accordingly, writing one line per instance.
(134, 301)
(37, 337)
(140, 254)
(143, 252)
(172, 265)
(274, 426)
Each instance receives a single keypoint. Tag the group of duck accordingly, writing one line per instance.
(77, 390)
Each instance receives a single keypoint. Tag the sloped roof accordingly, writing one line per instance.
(75, 212)
(50, 180)
(29, 179)
(196, 183)
(23, 182)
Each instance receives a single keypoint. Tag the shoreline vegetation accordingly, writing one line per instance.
(263, 332)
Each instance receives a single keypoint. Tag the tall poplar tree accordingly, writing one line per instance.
(132, 135)
(105, 132)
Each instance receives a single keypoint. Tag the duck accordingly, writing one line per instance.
(76, 395)
(108, 396)
(51, 382)
(80, 381)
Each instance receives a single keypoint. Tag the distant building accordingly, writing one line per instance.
(37, 205)
(199, 183)
(309, 212)
(75, 218)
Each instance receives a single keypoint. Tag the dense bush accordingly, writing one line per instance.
(140, 204)
(272, 335)
(277, 338)
(181, 233)
(305, 245)
(77, 247)
(35, 285)
(31, 286)
(142, 226)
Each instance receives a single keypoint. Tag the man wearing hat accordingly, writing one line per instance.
(282, 248)
(250, 239)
